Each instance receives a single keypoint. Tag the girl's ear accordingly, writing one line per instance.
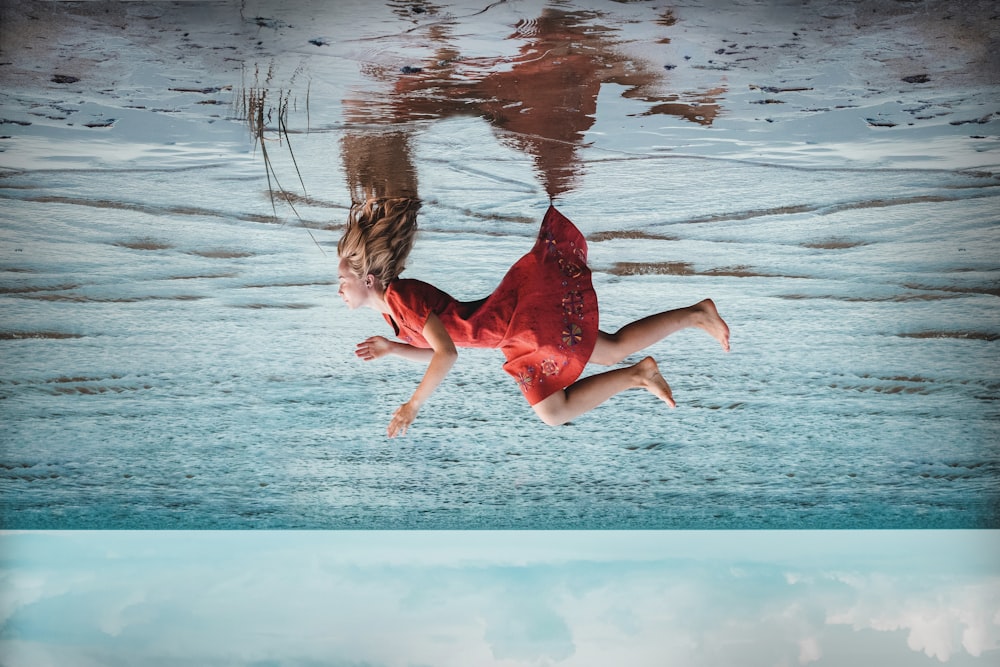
(370, 281)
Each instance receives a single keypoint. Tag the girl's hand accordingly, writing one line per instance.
(401, 419)
(373, 348)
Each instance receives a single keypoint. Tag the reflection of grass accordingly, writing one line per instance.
(266, 113)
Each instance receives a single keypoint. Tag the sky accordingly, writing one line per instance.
(443, 599)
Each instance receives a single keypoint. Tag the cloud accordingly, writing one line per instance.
(237, 603)
(941, 618)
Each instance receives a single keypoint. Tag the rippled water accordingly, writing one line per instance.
(176, 357)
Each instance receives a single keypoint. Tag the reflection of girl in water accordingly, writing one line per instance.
(543, 316)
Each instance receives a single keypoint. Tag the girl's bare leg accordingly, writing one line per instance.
(612, 348)
(586, 394)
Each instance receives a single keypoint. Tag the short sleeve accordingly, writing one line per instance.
(412, 302)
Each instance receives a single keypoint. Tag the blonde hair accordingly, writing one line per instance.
(379, 237)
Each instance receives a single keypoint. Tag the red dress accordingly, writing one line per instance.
(543, 315)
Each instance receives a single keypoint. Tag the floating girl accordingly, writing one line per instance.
(543, 317)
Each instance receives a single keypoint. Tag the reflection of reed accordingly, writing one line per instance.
(261, 111)
(266, 111)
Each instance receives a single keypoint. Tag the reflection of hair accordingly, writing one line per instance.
(379, 237)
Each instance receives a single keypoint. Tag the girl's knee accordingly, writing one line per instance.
(548, 411)
(605, 350)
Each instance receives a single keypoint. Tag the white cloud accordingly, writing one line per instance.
(19, 589)
(941, 618)
(809, 650)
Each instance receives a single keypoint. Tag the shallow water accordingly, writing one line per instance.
(175, 354)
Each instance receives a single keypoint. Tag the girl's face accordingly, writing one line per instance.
(352, 289)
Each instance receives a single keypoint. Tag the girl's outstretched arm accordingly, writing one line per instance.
(442, 359)
(379, 346)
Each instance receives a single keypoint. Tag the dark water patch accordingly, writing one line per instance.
(94, 203)
(977, 121)
(17, 186)
(954, 470)
(146, 208)
(898, 378)
(294, 198)
(80, 298)
(780, 89)
(68, 379)
(97, 389)
(744, 271)
(483, 215)
(316, 283)
(755, 213)
(202, 91)
(29, 289)
(222, 253)
(896, 298)
(30, 477)
(973, 186)
(262, 306)
(16, 466)
(993, 291)
(143, 244)
(834, 244)
(652, 268)
(976, 173)
(964, 335)
(598, 237)
(254, 217)
(739, 405)
(645, 447)
(894, 384)
(205, 276)
(831, 208)
(885, 389)
(47, 335)
(884, 203)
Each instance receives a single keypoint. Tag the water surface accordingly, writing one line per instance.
(175, 355)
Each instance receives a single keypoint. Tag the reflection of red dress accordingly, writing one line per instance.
(543, 315)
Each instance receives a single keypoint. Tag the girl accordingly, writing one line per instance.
(543, 316)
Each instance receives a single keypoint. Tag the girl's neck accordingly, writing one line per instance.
(377, 302)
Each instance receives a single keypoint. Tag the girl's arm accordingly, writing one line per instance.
(378, 346)
(443, 355)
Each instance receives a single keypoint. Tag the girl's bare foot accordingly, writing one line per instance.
(648, 374)
(708, 319)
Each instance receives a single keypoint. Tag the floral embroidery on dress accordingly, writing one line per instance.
(551, 242)
(569, 269)
(526, 379)
(572, 335)
(573, 303)
(550, 367)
